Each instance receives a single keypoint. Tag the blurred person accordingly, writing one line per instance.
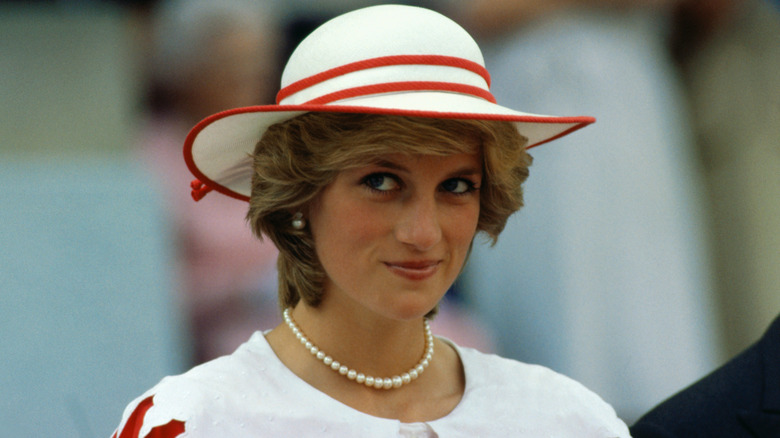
(384, 157)
(739, 399)
(209, 56)
(606, 275)
(729, 53)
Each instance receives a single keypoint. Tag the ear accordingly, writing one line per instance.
(309, 208)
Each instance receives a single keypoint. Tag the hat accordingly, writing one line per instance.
(386, 59)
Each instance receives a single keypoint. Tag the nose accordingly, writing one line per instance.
(419, 225)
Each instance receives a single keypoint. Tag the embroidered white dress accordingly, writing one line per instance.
(251, 393)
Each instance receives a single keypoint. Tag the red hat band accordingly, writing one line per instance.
(376, 75)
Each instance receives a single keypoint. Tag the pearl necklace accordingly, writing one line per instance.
(370, 381)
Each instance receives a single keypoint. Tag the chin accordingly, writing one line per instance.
(412, 310)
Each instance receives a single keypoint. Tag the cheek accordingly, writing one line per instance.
(362, 227)
(463, 226)
(347, 229)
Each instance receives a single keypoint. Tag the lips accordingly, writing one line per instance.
(414, 270)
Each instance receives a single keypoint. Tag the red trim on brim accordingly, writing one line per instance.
(562, 134)
(579, 121)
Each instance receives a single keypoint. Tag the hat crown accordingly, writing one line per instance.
(388, 59)
(379, 45)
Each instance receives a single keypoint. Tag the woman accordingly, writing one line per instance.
(384, 157)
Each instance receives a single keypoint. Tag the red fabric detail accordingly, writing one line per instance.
(133, 426)
(402, 86)
(199, 190)
(173, 429)
(383, 61)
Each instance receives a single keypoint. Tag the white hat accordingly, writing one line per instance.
(387, 59)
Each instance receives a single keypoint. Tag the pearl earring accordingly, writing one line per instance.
(298, 222)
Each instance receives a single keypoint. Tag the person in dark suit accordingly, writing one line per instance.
(739, 399)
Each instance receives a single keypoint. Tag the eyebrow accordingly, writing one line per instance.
(465, 170)
(381, 162)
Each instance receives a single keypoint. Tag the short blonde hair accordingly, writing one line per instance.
(296, 159)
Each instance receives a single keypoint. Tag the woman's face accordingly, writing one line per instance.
(393, 236)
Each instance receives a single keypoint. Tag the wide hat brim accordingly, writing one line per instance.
(438, 73)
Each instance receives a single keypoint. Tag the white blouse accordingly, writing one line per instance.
(251, 393)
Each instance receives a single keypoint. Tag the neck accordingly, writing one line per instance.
(367, 343)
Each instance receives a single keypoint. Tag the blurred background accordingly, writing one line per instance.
(645, 257)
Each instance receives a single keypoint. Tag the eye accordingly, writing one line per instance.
(458, 186)
(381, 182)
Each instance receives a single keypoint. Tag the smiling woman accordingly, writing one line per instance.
(373, 187)
(407, 240)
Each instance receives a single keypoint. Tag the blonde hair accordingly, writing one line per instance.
(296, 159)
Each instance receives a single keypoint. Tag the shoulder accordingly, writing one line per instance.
(490, 370)
(197, 395)
(535, 394)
